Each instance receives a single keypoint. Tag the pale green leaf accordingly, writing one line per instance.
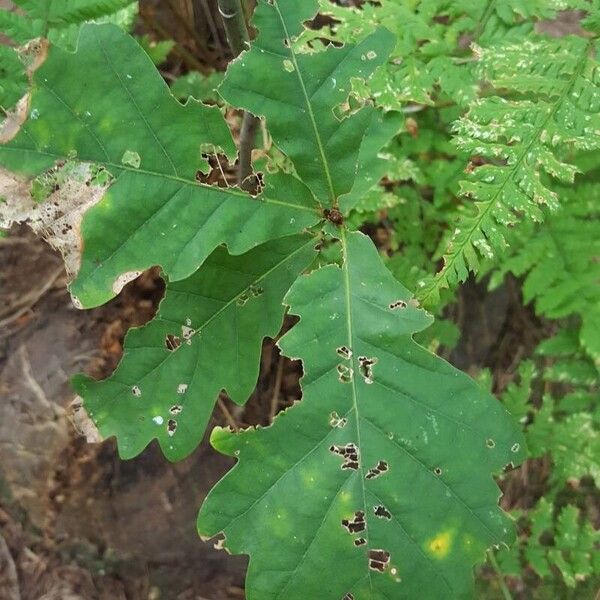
(157, 51)
(196, 85)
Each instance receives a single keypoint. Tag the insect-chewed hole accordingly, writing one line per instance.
(437, 471)
(366, 367)
(348, 596)
(135, 390)
(254, 291)
(345, 374)
(187, 333)
(344, 352)
(515, 447)
(172, 342)
(382, 512)
(379, 560)
(356, 524)
(350, 453)
(171, 427)
(360, 541)
(176, 409)
(398, 304)
(380, 468)
(336, 421)
(490, 443)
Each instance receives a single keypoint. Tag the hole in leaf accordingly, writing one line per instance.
(490, 443)
(397, 304)
(516, 447)
(360, 541)
(187, 333)
(379, 560)
(254, 291)
(171, 427)
(349, 453)
(135, 390)
(380, 468)
(345, 373)
(344, 352)
(182, 388)
(336, 421)
(437, 471)
(348, 597)
(172, 342)
(357, 524)
(366, 368)
(176, 409)
(382, 512)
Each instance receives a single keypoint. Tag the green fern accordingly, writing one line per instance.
(561, 424)
(518, 143)
(558, 262)
(60, 14)
(569, 365)
(428, 62)
(560, 544)
(13, 82)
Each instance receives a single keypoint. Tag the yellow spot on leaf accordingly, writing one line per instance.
(440, 545)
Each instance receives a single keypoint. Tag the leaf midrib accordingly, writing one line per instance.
(350, 344)
(311, 113)
(120, 167)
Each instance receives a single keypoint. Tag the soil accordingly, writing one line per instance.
(76, 522)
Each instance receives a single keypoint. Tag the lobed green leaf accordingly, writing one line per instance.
(353, 493)
(126, 120)
(207, 337)
(297, 93)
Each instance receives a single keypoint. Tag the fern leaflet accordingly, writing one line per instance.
(516, 142)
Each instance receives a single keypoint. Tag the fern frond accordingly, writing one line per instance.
(19, 28)
(518, 142)
(559, 259)
(13, 81)
(576, 455)
(60, 14)
(563, 542)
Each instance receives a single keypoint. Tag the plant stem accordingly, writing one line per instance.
(238, 37)
(250, 125)
(503, 587)
(201, 5)
(235, 25)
